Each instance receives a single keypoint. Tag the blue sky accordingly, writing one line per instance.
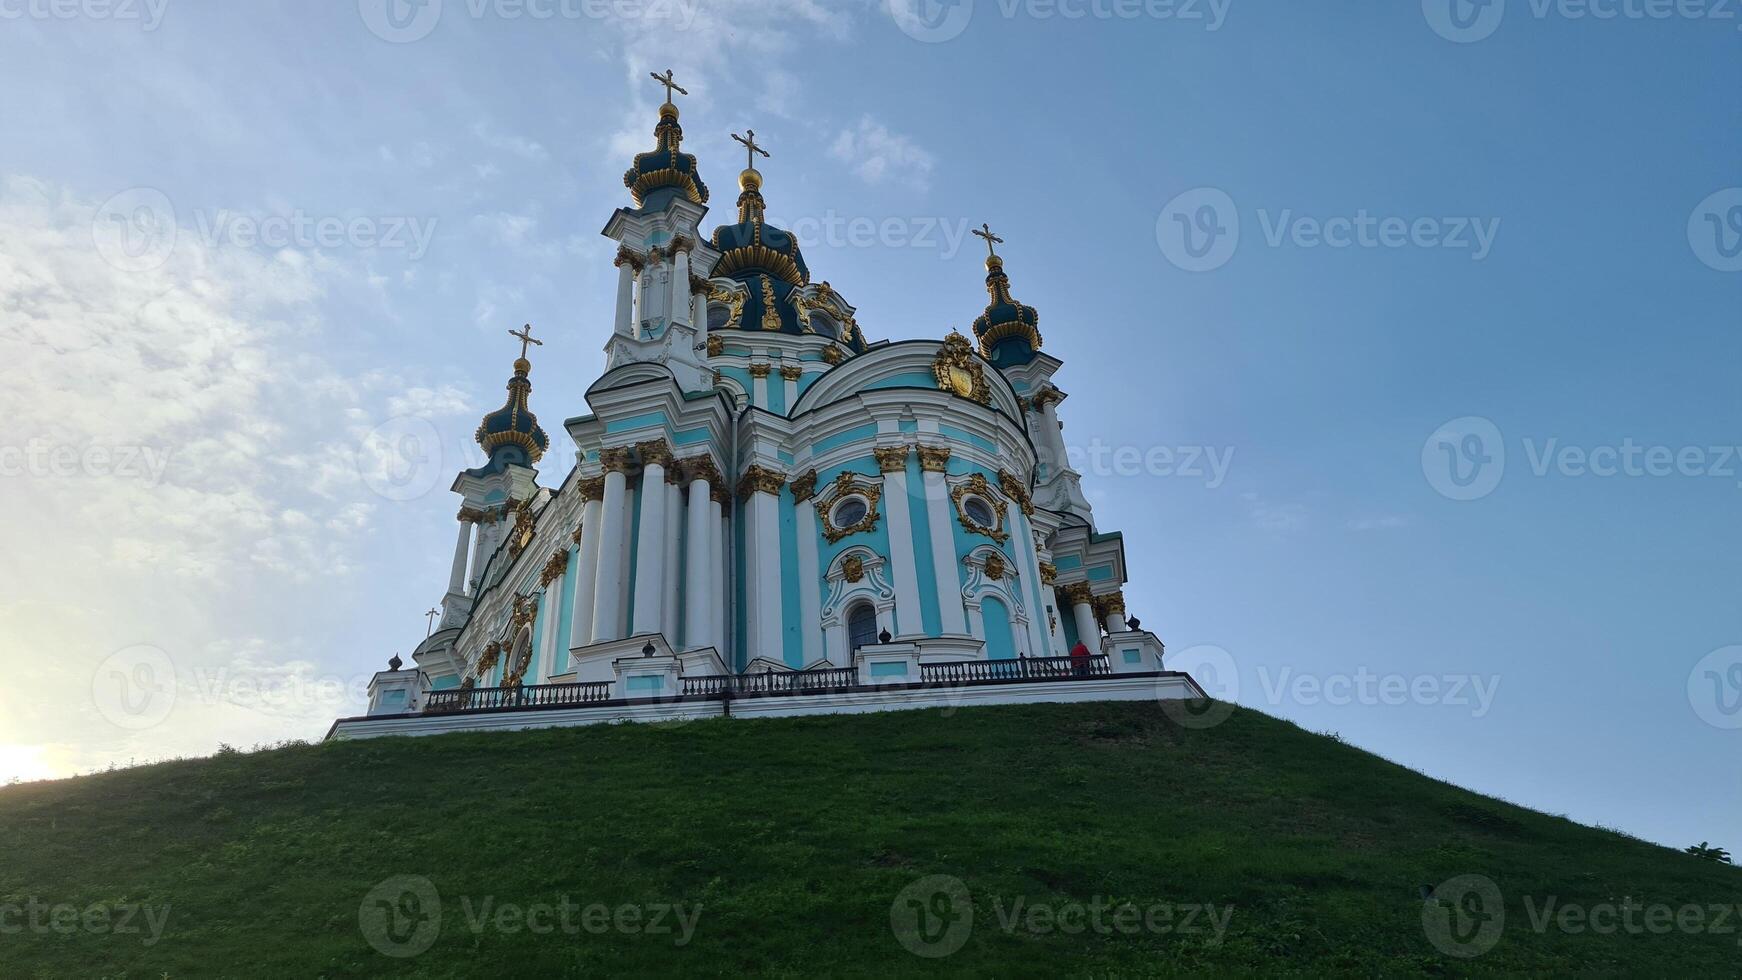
(280, 553)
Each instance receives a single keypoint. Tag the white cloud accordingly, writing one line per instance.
(176, 448)
(876, 154)
(1386, 522)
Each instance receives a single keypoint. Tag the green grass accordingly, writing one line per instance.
(794, 838)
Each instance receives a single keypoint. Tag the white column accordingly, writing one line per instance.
(720, 631)
(700, 563)
(947, 566)
(650, 545)
(457, 578)
(680, 287)
(586, 569)
(608, 589)
(670, 616)
(699, 311)
(810, 598)
(626, 277)
(762, 570)
(1088, 633)
(1053, 437)
(1116, 613)
(479, 554)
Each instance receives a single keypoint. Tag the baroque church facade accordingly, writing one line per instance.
(762, 491)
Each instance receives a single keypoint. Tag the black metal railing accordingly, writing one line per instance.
(772, 682)
(526, 696)
(1020, 669)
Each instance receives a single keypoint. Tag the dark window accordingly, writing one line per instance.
(850, 512)
(823, 325)
(718, 317)
(862, 626)
(979, 512)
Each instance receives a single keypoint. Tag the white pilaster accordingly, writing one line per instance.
(608, 590)
(810, 598)
(549, 611)
(908, 618)
(948, 567)
(1022, 542)
(762, 570)
(759, 385)
(720, 629)
(586, 575)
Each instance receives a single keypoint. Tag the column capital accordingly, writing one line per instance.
(934, 459)
(682, 243)
(892, 459)
(805, 487)
(700, 468)
(469, 515)
(721, 494)
(1049, 395)
(555, 567)
(761, 370)
(1016, 489)
(760, 479)
(1049, 573)
(1107, 605)
(627, 257)
(791, 372)
(654, 452)
(1077, 594)
(592, 488)
(616, 459)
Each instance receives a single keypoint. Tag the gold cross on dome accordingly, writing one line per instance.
(666, 80)
(751, 148)
(524, 335)
(985, 231)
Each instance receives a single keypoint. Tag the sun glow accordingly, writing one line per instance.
(23, 763)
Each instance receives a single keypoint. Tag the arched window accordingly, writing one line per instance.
(824, 325)
(719, 315)
(862, 626)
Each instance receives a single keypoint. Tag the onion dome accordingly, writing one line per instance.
(666, 172)
(769, 264)
(511, 434)
(1009, 332)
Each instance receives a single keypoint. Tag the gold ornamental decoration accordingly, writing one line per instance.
(994, 566)
(488, 659)
(592, 489)
(716, 346)
(760, 479)
(1078, 594)
(978, 486)
(805, 487)
(1016, 490)
(934, 459)
(850, 484)
(960, 372)
(833, 355)
(524, 527)
(1049, 573)
(616, 459)
(654, 452)
(558, 564)
(892, 459)
(853, 568)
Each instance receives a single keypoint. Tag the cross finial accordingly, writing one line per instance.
(750, 147)
(985, 231)
(431, 615)
(670, 86)
(524, 335)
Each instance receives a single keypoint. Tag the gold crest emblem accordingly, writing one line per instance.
(959, 372)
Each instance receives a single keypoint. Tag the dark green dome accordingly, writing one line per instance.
(1009, 332)
(667, 170)
(513, 429)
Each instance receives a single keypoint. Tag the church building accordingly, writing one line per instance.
(769, 512)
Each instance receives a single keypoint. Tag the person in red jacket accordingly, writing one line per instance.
(1080, 660)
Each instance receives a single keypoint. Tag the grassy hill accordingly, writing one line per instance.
(1084, 839)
